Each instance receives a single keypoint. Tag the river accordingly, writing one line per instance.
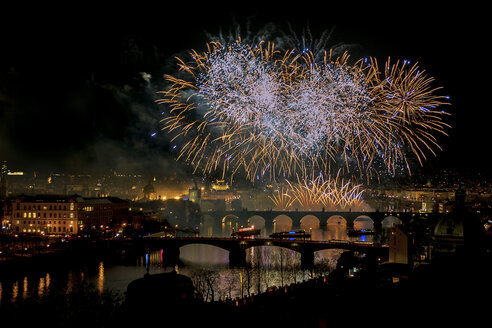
(270, 266)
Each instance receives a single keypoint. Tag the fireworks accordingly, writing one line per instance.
(250, 108)
(308, 193)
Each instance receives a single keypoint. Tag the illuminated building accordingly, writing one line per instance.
(220, 185)
(64, 215)
(399, 246)
(45, 214)
(149, 192)
(194, 194)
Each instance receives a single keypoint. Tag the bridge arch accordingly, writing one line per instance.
(258, 221)
(309, 222)
(230, 224)
(336, 220)
(282, 222)
(203, 253)
(336, 228)
(230, 218)
(390, 222)
(363, 222)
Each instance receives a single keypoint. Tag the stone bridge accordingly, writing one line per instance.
(237, 247)
(246, 217)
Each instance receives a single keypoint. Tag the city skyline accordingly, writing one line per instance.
(87, 100)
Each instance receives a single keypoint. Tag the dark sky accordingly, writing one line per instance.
(72, 94)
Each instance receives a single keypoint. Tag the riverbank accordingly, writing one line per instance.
(441, 293)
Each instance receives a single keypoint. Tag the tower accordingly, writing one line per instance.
(195, 193)
(3, 181)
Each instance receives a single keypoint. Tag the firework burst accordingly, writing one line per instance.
(330, 192)
(271, 114)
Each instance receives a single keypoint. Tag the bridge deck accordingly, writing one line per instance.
(244, 243)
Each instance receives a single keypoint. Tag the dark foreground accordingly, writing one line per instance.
(455, 291)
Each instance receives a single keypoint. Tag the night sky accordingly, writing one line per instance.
(74, 97)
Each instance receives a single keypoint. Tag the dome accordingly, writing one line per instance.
(148, 189)
(450, 227)
(459, 231)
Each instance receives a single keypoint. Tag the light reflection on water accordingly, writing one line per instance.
(275, 265)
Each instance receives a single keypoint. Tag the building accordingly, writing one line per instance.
(43, 214)
(63, 215)
(459, 234)
(399, 246)
(195, 194)
(103, 214)
(149, 192)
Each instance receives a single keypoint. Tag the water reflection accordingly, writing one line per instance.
(24, 288)
(100, 278)
(268, 266)
(41, 287)
(15, 291)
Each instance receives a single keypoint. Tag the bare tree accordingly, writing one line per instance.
(231, 281)
(205, 282)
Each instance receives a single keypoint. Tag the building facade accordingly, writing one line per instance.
(62, 215)
(44, 215)
(103, 214)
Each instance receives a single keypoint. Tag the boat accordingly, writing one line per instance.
(248, 232)
(356, 232)
(291, 235)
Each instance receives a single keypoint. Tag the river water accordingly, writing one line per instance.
(270, 266)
